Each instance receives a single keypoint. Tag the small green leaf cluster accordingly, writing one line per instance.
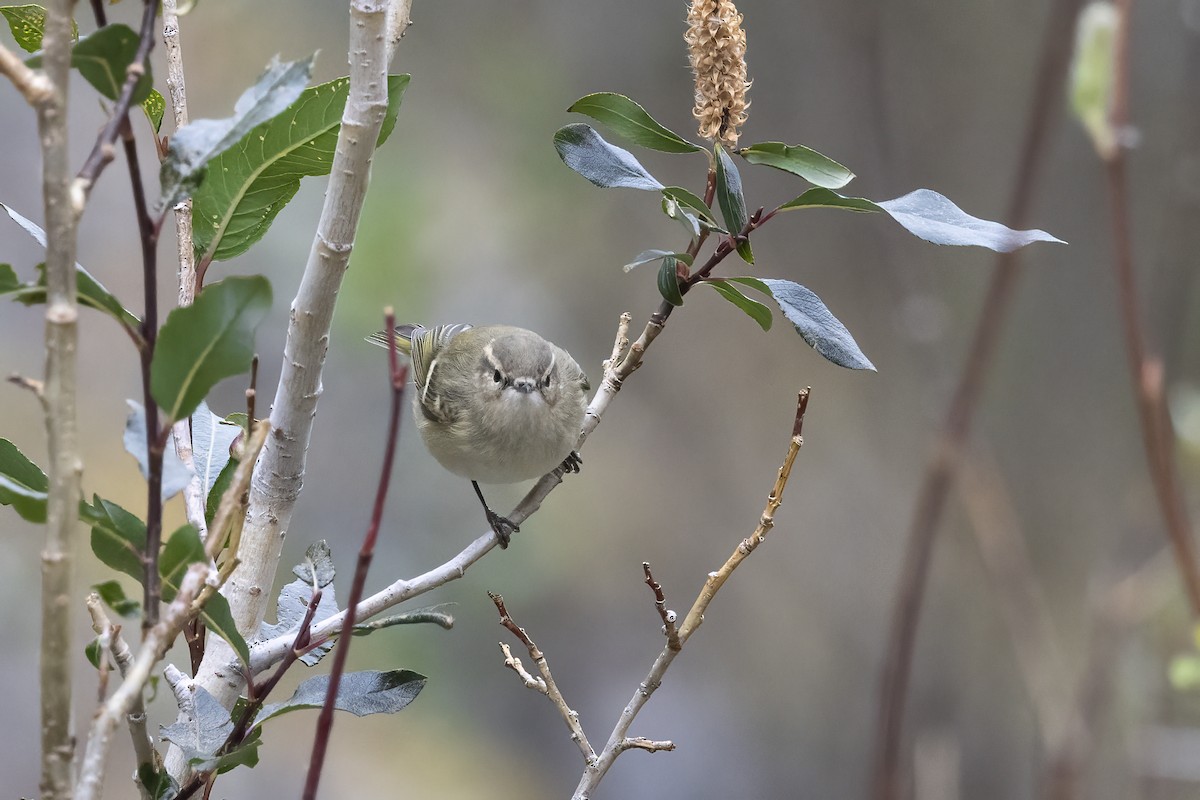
(924, 213)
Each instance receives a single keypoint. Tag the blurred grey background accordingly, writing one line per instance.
(472, 217)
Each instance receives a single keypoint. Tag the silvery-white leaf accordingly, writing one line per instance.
(175, 474)
(211, 439)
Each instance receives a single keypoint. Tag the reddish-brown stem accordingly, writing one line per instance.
(399, 374)
(1145, 368)
(888, 783)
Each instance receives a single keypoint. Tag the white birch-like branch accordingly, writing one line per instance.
(62, 210)
(34, 86)
(279, 474)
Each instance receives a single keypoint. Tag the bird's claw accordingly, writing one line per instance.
(572, 463)
(503, 527)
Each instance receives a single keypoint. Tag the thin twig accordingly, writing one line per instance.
(34, 86)
(103, 152)
(940, 469)
(668, 616)
(62, 212)
(143, 746)
(546, 684)
(399, 375)
(619, 741)
(1145, 367)
(154, 645)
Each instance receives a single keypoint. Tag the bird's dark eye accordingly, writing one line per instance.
(546, 381)
(497, 377)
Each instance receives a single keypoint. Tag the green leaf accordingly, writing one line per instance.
(823, 198)
(668, 281)
(685, 198)
(732, 202)
(628, 119)
(92, 651)
(1093, 74)
(754, 309)
(360, 693)
(690, 222)
(112, 593)
(28, 25)
(183, 548)
(212, 500)
(154, 106)
(118, 537)
(157, 783)
(604, 164)
(9, 282)
(103, 57)
(207, 341)
(932, 217)
(249, 183)
(90, 292)
(814, 322)
(175, 474)
(799, 160)
(650, 256)
(23, 485)
(218, 617)
(194, 145)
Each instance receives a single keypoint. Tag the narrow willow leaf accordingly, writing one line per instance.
(816, 324)
(650, 256)
(118, 537)
(23, 485)
(690, 222)
(250, 182)
(629, 120)
(1093, 70)
(195, 144)
(823, 198)
(90, 291)
(28, 25)
(218, 617)
(685, 198)
(175, 474)
(207, 341)
(360, 693)
(604, 164)
(183, 548)
(754, 309)
(930, 216)
(799, 160)
(668, 282)
(157, 782)
(211, 439)
(732, 202)
(112, 593)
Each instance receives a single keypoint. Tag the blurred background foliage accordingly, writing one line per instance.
(472, 217)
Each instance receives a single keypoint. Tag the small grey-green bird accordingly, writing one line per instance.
(494, 404)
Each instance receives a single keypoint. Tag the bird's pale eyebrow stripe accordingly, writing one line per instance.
(428, 383)
(490, 356)
(550, 369)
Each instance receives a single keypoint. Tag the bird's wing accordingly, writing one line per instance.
(426, 345)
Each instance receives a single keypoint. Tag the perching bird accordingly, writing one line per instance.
(494, 404)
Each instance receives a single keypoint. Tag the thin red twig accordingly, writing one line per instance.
(399, 375)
